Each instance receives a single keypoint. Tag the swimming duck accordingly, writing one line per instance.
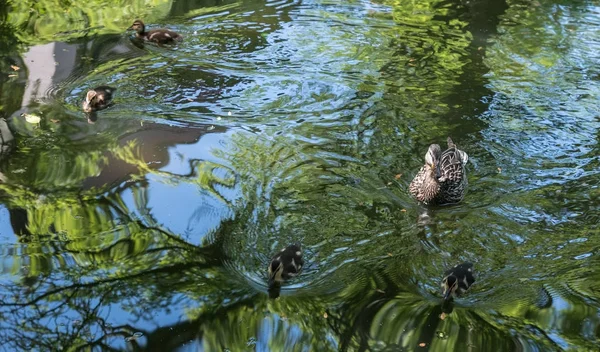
(98, 98)
(443, 178)
(160, 36)
(457, 280)
(285, 264)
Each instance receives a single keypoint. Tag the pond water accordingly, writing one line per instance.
(150, 226)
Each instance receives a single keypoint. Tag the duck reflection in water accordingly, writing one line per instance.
(284, 265)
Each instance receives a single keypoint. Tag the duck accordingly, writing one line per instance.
(98, 98)
(457, 280)
(160, 36)
(443, 178)
(286, 264)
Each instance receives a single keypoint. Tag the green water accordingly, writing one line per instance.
(299, 121)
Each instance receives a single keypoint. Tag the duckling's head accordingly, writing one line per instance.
(432, 159)
(450, 284)
(91, 99)
(138, 26)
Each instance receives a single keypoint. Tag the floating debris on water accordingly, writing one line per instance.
(31, 118)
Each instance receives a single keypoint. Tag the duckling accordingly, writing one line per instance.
(457, 280)
(285, 264)
(98, 98)
(160, 36)
(443, 178)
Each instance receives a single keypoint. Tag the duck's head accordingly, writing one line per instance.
(450, 285)
(138, 26)
(91, 99)
(432, 159)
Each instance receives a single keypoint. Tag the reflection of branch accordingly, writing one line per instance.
(178, 267)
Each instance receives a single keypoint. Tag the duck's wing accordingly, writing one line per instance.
(451, 166)
(163, 35)
(452, 162)
(461, 154)
(105, 92)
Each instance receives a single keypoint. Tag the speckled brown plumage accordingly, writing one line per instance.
(160, 36)
(443, 178)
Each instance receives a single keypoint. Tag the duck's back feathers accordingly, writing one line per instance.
(163, 36)
(286, 264)
(463, 274)
(453, 176)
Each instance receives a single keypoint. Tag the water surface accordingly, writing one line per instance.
(150, 225)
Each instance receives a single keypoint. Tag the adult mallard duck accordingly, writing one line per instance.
(160, 36)
(286, 264)
(457, 280)
(443, 178)
(98, 98)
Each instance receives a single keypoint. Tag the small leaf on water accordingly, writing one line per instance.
(32, 118)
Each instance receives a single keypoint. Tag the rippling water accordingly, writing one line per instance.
(150, 226)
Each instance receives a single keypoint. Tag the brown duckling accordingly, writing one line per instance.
(160, 36)
(98, 98)
(457, 280)
(285, 264)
